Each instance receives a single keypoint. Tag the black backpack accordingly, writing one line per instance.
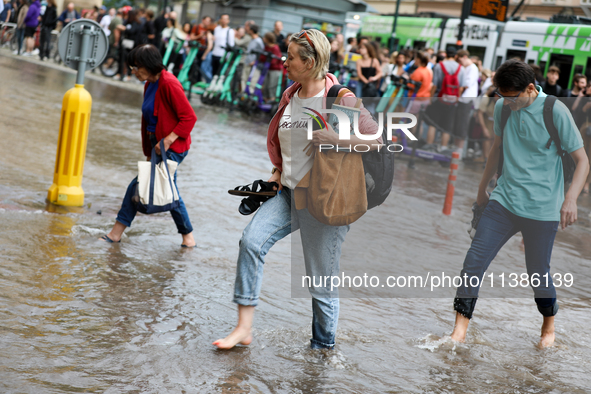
(568, 164)
(378, 166)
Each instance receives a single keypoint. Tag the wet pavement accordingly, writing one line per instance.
(79, 315)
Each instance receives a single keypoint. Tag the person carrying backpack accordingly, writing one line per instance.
(448, 77)
(529, 197)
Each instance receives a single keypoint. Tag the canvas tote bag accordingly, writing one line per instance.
(155, 189)
(334, 189)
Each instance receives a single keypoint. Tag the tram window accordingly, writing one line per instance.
(543, 66)
(419, 45)
(588, 68)
(499, 62)
(477, 51)
(565, 64)
(531, 61)
(512, 54)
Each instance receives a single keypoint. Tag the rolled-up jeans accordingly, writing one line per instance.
(274, 220)
(179, 215)
(496, 226)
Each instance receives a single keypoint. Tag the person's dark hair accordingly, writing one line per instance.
(553, 69)
(537, 72)
(422, 56)
(206, 17)
(514, 75)
(270, 37)
(578, 77)
(254, 29)
(132, 17)
(350, 40)
(451, 52)
(147, 56)
(370, 50)
(150, 14)
(462, 53)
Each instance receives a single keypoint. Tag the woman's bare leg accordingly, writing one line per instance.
(242, 334)
(117, 232)
(460, 328)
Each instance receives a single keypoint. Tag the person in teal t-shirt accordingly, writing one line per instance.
(529, 197)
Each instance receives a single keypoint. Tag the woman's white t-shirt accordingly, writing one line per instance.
(293, 138)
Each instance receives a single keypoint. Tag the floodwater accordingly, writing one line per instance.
(79, 315)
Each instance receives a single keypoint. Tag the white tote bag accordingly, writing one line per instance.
(157, 179)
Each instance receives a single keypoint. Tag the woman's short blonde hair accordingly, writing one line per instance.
(319, 55)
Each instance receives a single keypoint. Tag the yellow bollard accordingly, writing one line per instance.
(71, 149)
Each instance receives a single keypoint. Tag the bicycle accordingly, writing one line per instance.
(110, 67)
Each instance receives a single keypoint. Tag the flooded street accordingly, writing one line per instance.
(80, 315)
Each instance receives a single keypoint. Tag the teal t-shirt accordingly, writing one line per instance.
(532, 184)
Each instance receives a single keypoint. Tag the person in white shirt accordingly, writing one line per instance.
(466, 103)
(106, 21)
(224, 37)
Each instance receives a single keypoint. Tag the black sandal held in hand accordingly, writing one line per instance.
(260, 192)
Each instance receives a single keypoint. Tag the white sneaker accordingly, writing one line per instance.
(27, 54)
(15, 52)
(35, 51)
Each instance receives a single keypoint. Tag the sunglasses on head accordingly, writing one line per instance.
(303, 33)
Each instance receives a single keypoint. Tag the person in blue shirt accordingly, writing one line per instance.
(6, 11)
(529, 197)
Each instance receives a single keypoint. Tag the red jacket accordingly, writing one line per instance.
(367, 125)
(174, 113)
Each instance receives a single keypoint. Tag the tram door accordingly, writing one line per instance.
(477, 51)
(565, 64)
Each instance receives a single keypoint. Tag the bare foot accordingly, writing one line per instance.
(188, 241)
(116, 233)
(460, 328)
(240, 335)
(547, 337)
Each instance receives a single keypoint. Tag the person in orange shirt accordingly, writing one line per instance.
(425, 76)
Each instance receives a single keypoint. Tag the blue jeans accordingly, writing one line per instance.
(495, 228)
(274, 220)
(20, 36)
(179, 215)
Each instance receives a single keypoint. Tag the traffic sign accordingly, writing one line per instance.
(70, 44)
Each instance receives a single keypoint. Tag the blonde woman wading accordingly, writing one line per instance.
(307, 66)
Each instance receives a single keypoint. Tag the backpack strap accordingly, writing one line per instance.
(550, 126)
(505, 114)
(458, 70)
(443, 69)
(334, 90)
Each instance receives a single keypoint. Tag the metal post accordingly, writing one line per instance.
(466, 9)
(393, 43)
(83, 55)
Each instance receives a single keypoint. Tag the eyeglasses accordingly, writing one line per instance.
(133, 68)
(510, 99)
(303, 33)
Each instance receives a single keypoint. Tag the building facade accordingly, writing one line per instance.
(327, 15)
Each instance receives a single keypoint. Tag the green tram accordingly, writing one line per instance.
(567, 46)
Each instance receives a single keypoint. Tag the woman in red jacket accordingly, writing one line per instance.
(167, 115)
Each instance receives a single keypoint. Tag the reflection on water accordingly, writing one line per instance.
(79, 315)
